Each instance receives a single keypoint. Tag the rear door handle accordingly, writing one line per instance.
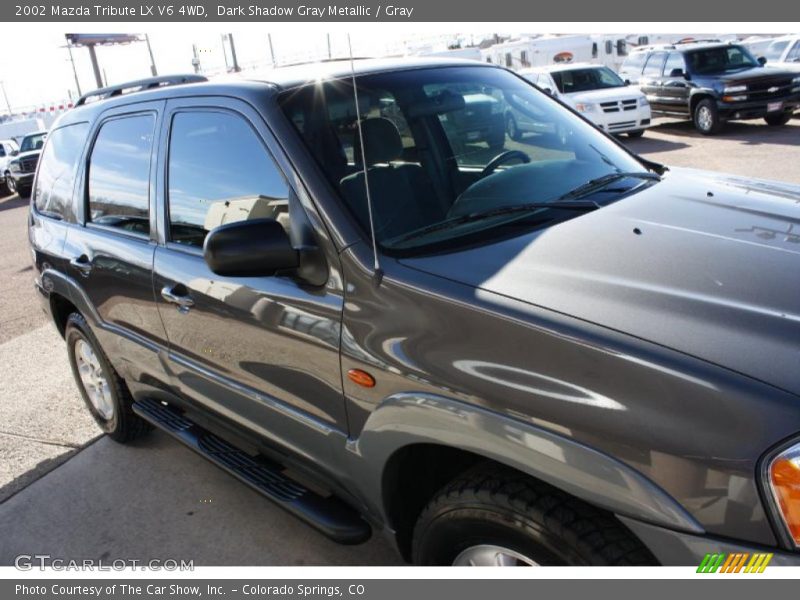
(177, 295)
(82, 264)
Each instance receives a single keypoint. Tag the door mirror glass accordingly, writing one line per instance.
(253, 248)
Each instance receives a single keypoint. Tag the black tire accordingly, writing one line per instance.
(124, 426)
(498, 506)
(24, 191)
(11, 186)
(636, 134)
(706, 117)
(512, 129)
(779, 119)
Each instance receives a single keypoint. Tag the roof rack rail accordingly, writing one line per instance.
(700, 41)
(139, 85)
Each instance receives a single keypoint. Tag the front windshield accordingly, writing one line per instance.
(721, 60)
(452, 153)
(32, 142)
(585, 80)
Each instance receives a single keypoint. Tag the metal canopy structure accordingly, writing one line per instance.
(91, 40)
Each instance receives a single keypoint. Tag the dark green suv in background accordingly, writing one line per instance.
(711, 82)
(553, 352)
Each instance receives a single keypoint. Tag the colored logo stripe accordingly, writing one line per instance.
(735, 563)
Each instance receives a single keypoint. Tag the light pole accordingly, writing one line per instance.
(5, 96)
(153, 69)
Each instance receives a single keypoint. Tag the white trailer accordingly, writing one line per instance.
(17, 129)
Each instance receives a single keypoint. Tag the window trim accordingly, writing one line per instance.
(84, 213)
(188, 108)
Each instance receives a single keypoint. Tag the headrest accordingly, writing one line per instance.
(382, 141)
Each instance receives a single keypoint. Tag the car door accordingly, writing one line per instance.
(262, 351)
(652, 80)
(675, 87)
(110, 249)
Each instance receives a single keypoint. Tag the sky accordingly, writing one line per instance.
(45, 75)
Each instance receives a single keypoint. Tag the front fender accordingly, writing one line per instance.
(406, 419)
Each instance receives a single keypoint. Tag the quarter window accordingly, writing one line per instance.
(56, 178)
(119, 174)
(219, 172)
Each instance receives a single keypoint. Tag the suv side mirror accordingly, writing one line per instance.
(14, 152)
(254, 248)
(548, 91)
(762, 60)
(677, 73)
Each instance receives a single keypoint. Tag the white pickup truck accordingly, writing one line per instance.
(593, 90)
(784, 52)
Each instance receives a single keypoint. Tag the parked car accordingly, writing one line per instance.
(784, 53)
(594, 90)
(22, 167)
(531, 356)
(711, 83)
(8, 150)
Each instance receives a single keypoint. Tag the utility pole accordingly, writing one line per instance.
(195, 59)
(95, 66)
(329, 47)
(235, 67)
(5, 96)
(271, 49)
(153, 69)
(74, 70)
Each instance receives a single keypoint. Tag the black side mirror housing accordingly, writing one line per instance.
(678, 73)
(256, 248)
(14, 152)
(548, 91)
(762, 60)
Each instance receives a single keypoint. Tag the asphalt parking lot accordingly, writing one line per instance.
(70, 493)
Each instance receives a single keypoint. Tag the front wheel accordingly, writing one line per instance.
(102, 389)
(11, 185)
(512, 129)
(495, 516)
(706, 117)
(778, 119)
(636, 134)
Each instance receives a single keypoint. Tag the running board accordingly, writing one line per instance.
(330, 516)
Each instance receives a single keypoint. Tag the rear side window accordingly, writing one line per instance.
(634, 62)
(56, 179)
(219, 172)
(119, 174)
(655, 63)
(674, 61)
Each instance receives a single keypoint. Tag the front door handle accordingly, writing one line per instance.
(177, 296)
(82, 264)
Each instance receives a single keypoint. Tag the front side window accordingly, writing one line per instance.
(794, 53)
(775, 50)
(584, 80)
(674, 61)
(721, 60)
(119, 174)
(56, 178)
(439, 158)
(219, 172)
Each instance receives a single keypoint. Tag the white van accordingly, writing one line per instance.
(593, 90)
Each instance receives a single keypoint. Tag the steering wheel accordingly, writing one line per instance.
(504, 157)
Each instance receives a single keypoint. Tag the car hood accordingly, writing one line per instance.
(27, 154)
(606, 95)
(704, 264)
(754, 74)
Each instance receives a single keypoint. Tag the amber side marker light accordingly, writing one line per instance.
(361, 378)
(784, 474)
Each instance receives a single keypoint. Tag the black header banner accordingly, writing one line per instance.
(451, 11)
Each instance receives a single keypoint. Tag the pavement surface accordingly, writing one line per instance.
(67, 492)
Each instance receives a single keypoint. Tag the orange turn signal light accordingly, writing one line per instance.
(361, 378)
(784, 474)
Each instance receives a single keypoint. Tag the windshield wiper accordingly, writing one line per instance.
(601, 182)
(488, 214)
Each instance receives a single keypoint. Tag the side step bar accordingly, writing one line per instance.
(330, 516)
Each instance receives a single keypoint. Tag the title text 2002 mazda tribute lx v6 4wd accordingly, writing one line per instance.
(550, 353)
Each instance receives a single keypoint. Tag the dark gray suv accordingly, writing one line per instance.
(551, 352)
